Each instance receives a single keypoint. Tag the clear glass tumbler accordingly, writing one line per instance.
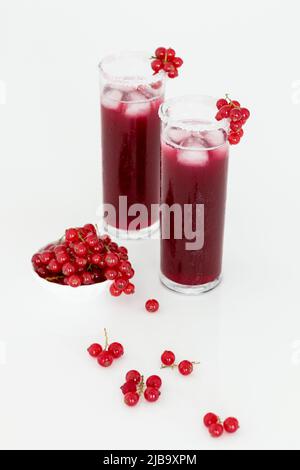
(194, 165)
(130, 99)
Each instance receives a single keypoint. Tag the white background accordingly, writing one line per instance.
(246, 333)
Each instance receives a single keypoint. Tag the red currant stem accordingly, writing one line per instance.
(81, 237)
(230, 101)
(54, 278)
(196, 362)
(106, 339)
(97, 229)
(172, 366)
(141, 386)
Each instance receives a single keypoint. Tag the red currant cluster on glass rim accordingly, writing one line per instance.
(105, 356)
(135, 386)
(166, 60)
(216, 427)
(232, 110)
(185, 367)
(82, 257)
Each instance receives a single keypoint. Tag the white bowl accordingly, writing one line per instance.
(76, 294)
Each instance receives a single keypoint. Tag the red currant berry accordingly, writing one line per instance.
(62, 257)
(113, 247)
(123, 250)
(80, 249)
(81, 262)
(173, 73)
(131, 398)
(152, 305)
(121, 283)
(225, 110)
(68, 269)
(170, 54)
(235, 126)
(235, 103)
(219, 116)
(99, 248)
(46, 256)
(42, 271)
(133, 376)
(240, 133)
(209, 419)
(95, 349)
(105, 239)
(222, 102)
(90, 228)
(168, 358)
(185, 367)
(156, 65)
(98, 275)
(235, 114)
(105, 359)
(129, 274)
(128, 387)
(129, 289)
(74, 281)
(233, 138)
(245, 113)
(54, 266)
(111, 260)
(216, 430)
(36, 260)
(154, 381)
(231, 425)
(168, 66)
(92, 240)
(151, 394)
(111, 274)
(116, 350)
(59, 249)
(125, 267)
(114, 291)
(71, 235)
(87, 278)
(96, 258)
(160, 53)
(177, 61)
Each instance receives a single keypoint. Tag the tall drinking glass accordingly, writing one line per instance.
(130, 99)
(193, 194)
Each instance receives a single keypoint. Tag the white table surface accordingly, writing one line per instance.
(246, 333)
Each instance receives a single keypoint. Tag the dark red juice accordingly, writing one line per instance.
(131, 151)
(196, 175)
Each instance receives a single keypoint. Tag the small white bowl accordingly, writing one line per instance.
(75, 294)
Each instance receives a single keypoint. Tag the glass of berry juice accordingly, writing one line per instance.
(194, 177)
(130, 100)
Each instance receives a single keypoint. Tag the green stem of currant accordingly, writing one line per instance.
(106, 339)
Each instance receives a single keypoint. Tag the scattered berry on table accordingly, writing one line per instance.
(152, 305)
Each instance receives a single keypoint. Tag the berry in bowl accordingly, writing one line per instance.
(84, 261)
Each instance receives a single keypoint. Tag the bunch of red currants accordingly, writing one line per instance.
(232, 110)
(166, 60)
(135, 387)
